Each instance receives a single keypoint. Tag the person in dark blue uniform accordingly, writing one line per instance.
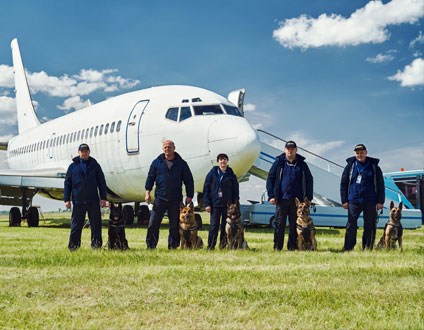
(362, 190)
(168, 171)
(84, 181)
(220, 186)
(288, 178)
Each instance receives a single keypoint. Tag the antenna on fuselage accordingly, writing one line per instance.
(26, 114)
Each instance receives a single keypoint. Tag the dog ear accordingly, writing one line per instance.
(112, 206)
(238, 202)
(306, 200)
(191, 205)
(181, 205)
(228, 203)
(297, 202)
(400, 206)
(392, 205)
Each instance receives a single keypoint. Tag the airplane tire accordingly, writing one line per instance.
(14, 217)
(272, 222)
(33, 217)
(198, 219)
(128, 214)
(143, 215)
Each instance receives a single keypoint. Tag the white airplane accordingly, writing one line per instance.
(124, 134)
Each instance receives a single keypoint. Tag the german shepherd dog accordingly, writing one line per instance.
(393, 229)
(234, 229)
(305, 227)
(116, 232)
(188, 228)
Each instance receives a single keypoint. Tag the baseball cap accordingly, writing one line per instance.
(359, 147)
(83, 146)
(291, 144)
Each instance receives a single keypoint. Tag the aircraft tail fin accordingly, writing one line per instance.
(26, 114)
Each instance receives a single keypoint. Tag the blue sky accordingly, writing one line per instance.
(329, 74)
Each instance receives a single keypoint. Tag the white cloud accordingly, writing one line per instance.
(7, 110)
(74, 102)
(419, 39)
(412, 75)
(365, 25)
(83, 83)
(380, 58)
(314, 146)
(409, 158)
(417, 54)
(249, 107)
(257, 125)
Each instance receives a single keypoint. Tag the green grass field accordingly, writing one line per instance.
(43, 285)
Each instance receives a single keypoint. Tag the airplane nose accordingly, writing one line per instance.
(235, 137)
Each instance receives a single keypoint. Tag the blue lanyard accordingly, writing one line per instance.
(363, 168)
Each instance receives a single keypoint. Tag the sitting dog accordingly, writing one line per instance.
(393, 229)
(234, 229)
(116, 231)
(305, 227)
(188, 228)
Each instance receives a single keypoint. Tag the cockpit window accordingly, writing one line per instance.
(207, 109)
(232, 110)
(172, 114)
(185, 113)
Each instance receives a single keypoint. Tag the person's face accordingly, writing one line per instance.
(168, 148)
(223, 162)
(84, 154)
(361, 155)
(290, 152)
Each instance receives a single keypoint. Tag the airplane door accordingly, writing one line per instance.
(133, 127)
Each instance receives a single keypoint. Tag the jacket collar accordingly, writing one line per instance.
(283, 158)
(372, 160)
(162, 157)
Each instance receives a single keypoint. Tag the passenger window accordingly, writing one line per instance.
(112, 127)
(106, 128)
(101, 129)
(95, 131)
(86, 133)
(185, 113)
(118, 126)
(207, 109)
(172, 114)
(78, 136)
(91, 131)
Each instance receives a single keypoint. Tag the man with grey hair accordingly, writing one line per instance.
(168, 171)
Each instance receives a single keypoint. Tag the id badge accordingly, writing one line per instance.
(359, 178)
(219, 193)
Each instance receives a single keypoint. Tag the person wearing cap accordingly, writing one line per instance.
(362, 190)
(289, 178)
(168, 171)
(220, 186)
(84, 181)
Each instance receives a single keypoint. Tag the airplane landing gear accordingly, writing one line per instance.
(14, 217)
(33, 217)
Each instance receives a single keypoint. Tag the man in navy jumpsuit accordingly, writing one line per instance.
(168, 171)
(288, 178)
(362, 190)
(84, 180)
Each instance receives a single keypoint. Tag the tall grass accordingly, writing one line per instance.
(43, 285)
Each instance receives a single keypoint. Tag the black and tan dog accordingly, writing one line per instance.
(188, 228)
(305, 227)
(116, 232)
(393, 229)
(234, 229)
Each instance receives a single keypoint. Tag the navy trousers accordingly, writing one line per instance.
(370, 216)
(159, 208)
(284, 208)
(77, 222)
(218, 220)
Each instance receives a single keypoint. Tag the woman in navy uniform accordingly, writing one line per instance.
(221, 186)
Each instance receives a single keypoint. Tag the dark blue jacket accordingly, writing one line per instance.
(84, 188)
(169, 182)
(273, 183)
(375, 183)
(229, 187)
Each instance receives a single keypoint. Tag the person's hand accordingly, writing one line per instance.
(102, 203)
(272, 201)
(379, 206)
(188, 200)
(208, 209)
(68, 204)
(345, 205)
(148, 199)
